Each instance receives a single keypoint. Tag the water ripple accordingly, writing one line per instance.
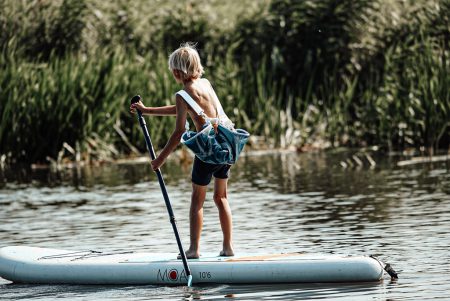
(280, 203)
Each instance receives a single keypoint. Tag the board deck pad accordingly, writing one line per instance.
(25, 264)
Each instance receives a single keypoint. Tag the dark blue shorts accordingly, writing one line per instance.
(202, 172)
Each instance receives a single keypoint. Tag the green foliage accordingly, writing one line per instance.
(78, 101)
(42, 28)
(183, 23)
(305, 38)
(351, 73)
(416, 99)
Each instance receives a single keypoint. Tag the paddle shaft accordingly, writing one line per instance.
(151, 151)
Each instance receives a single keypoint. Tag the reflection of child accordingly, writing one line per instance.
(187, 70)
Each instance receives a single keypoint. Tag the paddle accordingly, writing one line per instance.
(151, 151)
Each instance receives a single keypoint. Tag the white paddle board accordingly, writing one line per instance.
(25, 264)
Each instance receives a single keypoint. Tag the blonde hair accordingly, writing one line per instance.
(186, 60)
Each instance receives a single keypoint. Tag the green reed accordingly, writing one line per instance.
(82, 101)
(73, 102)
(414, 103)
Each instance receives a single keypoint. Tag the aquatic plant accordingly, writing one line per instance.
(338, 73)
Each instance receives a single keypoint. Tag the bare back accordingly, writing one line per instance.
(205, 96)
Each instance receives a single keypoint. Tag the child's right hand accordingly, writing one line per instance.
(137, 106)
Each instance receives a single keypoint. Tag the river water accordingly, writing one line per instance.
(283, 202)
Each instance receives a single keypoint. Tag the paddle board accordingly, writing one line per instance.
(26, 264)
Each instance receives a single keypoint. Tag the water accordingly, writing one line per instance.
(281, 202)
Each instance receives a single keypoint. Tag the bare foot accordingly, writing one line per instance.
(190, 255)
(226, 253)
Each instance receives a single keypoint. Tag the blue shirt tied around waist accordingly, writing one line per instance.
(221, 147)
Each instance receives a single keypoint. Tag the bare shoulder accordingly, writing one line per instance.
(179, 98)
(198, 89)
(180, 101)
(207, 81)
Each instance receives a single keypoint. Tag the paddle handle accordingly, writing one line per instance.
(151, 152)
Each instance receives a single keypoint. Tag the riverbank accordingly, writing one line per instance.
(359, 158)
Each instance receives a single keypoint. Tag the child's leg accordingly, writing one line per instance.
(196, 219)
(226, 221)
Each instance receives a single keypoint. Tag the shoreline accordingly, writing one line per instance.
(184, 156)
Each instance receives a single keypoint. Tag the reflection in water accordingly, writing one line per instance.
(284, 202)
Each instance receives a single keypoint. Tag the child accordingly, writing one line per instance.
(187, 70)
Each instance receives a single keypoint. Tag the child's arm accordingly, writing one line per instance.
(156, 111)
(174, 140)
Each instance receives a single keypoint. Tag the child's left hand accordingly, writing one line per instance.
(157, 163)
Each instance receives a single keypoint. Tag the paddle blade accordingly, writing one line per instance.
(190, 280)
(135, 99)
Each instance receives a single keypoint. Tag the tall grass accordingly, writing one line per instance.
(80, 101)
(360, 78)
(414, 104)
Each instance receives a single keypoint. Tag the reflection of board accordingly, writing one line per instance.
(41, 265)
